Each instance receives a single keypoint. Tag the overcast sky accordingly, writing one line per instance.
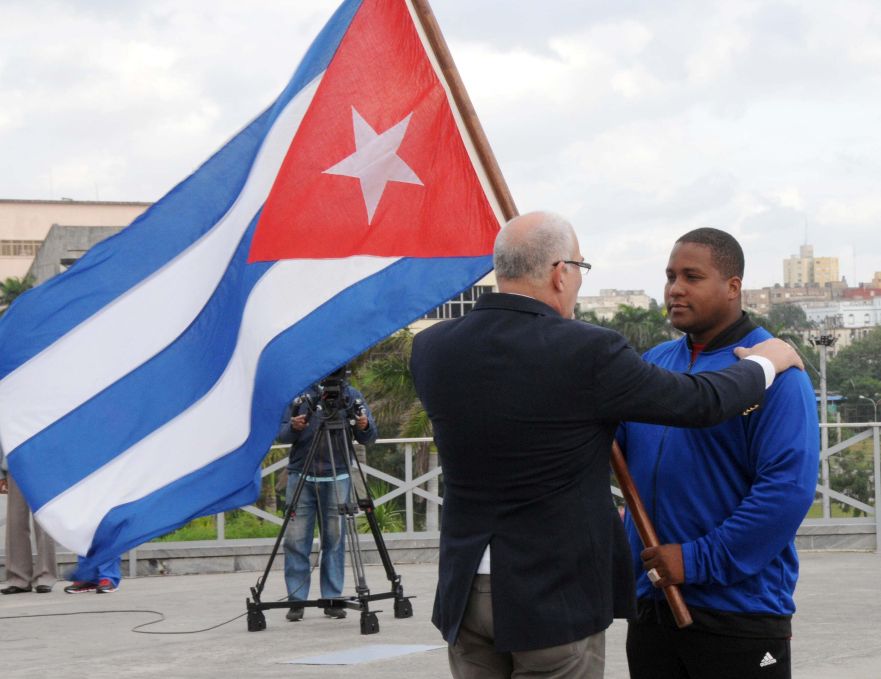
(637, 120)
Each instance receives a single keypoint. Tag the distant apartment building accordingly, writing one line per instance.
(761, 300)
(806, 270)
(865, 291)
(24, 225)
(848, 320)
(607, 303)
(849, 314)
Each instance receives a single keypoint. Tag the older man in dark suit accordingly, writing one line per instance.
(524, 402)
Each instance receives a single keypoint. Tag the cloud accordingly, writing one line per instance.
(638, 119)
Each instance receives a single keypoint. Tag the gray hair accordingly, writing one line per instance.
(530, 253)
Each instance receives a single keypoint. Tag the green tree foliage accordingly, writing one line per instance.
(383, 375)
(856, 370)
(643, 328)
(851, 473)
(389, 515)
(789, 317)
(788, 322)
(11, 288)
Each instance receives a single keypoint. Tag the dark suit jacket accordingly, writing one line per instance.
(524, 405)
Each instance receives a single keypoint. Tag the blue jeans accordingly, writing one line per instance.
(111, 570)
(322, 499)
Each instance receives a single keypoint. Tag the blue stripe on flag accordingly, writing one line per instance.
(88, 437)
(41, 316)
(296, 358)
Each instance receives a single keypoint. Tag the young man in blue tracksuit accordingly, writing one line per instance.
(726, 501)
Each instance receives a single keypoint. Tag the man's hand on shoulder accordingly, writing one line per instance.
(781, 354)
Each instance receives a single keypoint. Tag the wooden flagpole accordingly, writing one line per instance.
(646, 530)
(463, 103)
(500, 188)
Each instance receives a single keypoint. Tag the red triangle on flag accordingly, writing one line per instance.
(378, 166)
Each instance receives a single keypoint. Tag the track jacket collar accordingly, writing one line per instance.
(730, 335)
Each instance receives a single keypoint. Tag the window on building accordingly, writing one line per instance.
(460, 305)
(19, 248)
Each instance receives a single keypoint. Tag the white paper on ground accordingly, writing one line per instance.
(353, 656)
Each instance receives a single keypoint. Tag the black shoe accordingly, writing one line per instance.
(295, 614)
(339, 613)
(43, 589)
(13, 589)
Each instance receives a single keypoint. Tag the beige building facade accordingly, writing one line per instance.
(24, 225)
(804, 269)
(606, 304)
(761, 300)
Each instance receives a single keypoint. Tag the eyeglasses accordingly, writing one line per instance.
(584, 266)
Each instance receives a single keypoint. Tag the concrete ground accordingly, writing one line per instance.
(837, 629)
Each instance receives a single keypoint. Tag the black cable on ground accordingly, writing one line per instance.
(136, 629)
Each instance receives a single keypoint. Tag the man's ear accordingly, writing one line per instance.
(558, 278)
(734, 285)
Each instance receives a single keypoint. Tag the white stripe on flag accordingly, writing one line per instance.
(220, 421)
(148, 317)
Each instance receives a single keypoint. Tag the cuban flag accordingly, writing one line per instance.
(143, 387)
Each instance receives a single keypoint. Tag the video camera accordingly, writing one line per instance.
(332, 399)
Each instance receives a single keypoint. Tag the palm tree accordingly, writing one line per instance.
(11, 288)
(383, 375)
(643, 328)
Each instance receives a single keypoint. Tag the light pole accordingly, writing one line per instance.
(874, 405)
(824, 342)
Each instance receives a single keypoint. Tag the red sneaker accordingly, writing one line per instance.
(105, 586)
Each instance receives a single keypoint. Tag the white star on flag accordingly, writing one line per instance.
(375, 161)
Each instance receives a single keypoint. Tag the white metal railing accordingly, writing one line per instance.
(408, 487)
(426, 486)
(827, 493)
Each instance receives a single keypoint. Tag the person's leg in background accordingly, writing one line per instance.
(332, 527)
(298, 544)
(19, 559)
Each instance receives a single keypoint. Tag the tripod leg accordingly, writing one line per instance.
(403, 607)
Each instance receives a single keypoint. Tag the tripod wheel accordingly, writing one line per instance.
(256, 620)
(369, 623)
(403, 608)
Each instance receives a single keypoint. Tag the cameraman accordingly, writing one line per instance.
(327, 485)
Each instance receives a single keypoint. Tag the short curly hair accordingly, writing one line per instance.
(725, 251)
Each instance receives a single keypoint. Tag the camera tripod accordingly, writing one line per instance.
(334, 429)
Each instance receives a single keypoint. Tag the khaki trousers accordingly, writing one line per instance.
(473, 656)
(20, 568)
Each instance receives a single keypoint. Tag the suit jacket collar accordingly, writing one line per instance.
(511, 302)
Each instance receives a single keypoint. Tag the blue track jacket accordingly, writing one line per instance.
(732, 495)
